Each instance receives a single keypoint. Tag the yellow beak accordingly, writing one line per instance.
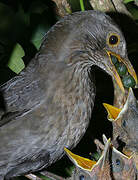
(129, 67)
(113, 112)
(79, 161)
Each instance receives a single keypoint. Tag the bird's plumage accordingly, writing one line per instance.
(129, 122)
(111, 165)
(125, 122)
(49, 104)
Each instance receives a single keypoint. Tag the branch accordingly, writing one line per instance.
(120, 7)
(63, 7)
(102, 5)
(110, 6)
(136, 2)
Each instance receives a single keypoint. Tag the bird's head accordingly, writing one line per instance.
(87, 169)
(112, 163)
(126, 120)
(107, 48)
(94, 39)
(122, 166)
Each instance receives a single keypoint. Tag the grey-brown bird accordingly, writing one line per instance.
(49, 104)
(88, 169)
(112, 165)
(125, 123)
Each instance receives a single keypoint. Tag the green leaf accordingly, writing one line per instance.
(38, 35)
(127, 1)
(16, 63)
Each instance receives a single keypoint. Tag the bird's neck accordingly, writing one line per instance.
(76, 96)
(76, 84)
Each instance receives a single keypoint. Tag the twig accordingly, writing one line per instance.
(120, 7)
(63, 7)
(32, 177)
(51, 175)
(99, 145)
(102, 5)
(110, 6)
(136, 2)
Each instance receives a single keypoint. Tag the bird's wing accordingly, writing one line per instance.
(29, 89)
(20, 94)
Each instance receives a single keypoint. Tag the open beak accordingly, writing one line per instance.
(87, 164)
(112, 111)
(79, 161)
(105, 155)
(126, 62)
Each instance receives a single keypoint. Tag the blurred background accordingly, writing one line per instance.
(23, 25)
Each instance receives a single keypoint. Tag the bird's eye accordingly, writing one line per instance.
(113, 40)
(118, 162)
(124, 123)
(81, 177)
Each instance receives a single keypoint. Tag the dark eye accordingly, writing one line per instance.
(113, 39)
(124, 123)
(81, 177)
(118, 162)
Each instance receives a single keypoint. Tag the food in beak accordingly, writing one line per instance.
(124, 71)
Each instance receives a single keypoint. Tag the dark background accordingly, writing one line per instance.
(26, 22)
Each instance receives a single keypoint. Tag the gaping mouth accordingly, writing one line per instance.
(87, 164)
(123, 71)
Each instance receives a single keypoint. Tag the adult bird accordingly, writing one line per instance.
(48, 105)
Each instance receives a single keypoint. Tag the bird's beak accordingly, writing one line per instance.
(131, 100)
(87, 164)
(105, 155)
(123, 155)
(128, 65)
(108, 145)
(112, 111)
(79, 161)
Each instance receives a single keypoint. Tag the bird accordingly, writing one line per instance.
(48, 105)
(126, 119)
(111, 165)
(88, 169)
(125, 123)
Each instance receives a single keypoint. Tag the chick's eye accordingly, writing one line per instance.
(124, 123)
(118, 162)
(81, 177)
(113, 39)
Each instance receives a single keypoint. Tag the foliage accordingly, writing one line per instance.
(127, 1)
(29, 22)
(23, 26)
(16, 63)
